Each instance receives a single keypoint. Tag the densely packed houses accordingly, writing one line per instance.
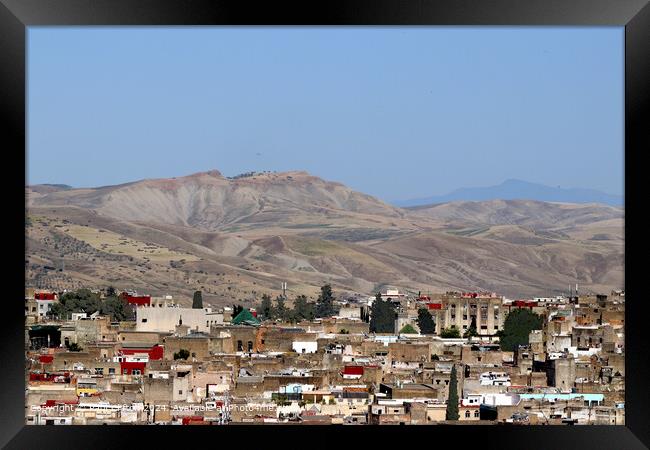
(167, 364)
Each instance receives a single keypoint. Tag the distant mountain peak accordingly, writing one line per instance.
(515, 189)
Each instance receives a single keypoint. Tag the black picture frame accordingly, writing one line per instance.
(16, 15)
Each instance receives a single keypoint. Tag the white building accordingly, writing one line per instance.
(305, 346)
(166, 318)
(494, 379)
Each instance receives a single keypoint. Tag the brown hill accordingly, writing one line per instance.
(209, 201)
(238, 238)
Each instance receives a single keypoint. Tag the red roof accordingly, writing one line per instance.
(44, 296)
(524, 303)
(138, 300)
(353, 370)
(49, 403)
(129, 366)
(155, 352)
(434, 305)
(188, 419)
(46, 359)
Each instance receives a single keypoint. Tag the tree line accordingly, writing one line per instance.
(85, 301)
(303, 309)
(383, 314)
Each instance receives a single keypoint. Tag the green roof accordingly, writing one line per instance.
(245, 317)
(44, 327)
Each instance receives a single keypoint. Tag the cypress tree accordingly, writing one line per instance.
(266, 307)
(197, 300)
(452, 400)
(280, 311)
(325, 302)
(382, 318)
(425, 322)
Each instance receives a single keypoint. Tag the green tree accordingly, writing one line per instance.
(266, 307)
(450, 333)
(303, 309)
(325, 302)
(382, 315)
(116, 308)
(197, 300)
(280, 310)
(111, 292)
(425, 322)
(452, 399)
(82, 300)
(471, 331)
(408, 329)
(365, 315)
(516, 328)
(57, 310)
(182, 354)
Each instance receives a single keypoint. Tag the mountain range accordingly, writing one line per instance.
(236, 238)
(519, 190)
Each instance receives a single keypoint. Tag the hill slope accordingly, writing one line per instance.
(238, 238)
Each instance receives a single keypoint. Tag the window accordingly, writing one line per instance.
(125, 372)
(476, 414)
(240, 346)
(99, 371)
(467, 414)
(111, 370)
(180, 392)
(135, 372)
(144, 320)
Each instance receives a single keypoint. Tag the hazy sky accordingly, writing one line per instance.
(394, 112)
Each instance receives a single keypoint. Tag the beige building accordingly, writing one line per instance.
(166, 318)
(458, 311)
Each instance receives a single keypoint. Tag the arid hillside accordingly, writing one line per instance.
(236, 238)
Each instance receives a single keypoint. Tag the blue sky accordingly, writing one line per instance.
(397, 113)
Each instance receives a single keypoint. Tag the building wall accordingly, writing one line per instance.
(166, 319)
(198, 346)
(305, 346)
